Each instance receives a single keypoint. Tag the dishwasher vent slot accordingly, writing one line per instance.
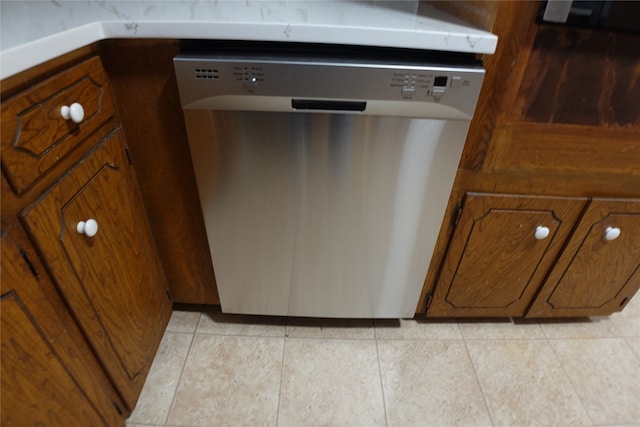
(206, 73)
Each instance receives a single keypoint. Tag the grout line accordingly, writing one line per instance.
(199, 322)
(475, 372)
(175, 391)
(284, 351)
(564, 371)
(633, 350)
(384, 399)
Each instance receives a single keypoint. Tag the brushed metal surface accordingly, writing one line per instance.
(325, 215)
(269, 84)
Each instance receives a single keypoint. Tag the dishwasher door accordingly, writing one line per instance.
(322, 215)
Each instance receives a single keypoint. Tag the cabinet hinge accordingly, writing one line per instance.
(27, 260)
(129, 158)
(115, 405)
(429, 299)
(457, 213)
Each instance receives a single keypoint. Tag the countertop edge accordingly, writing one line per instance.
(30, 54)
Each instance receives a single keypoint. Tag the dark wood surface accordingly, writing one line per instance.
(142, 75)
(594, 276)
(112, 282)
(582, 77)
(494, 264)
(49, 374)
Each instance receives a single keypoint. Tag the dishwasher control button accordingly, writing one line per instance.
(438, 91)
(407, 92)
(250, 84)
(456, 81)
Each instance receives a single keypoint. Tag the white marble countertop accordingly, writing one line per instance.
(33, 32)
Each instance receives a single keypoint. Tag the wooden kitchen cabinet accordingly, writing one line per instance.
(500, 252)
(526, 256)
(56, 174)
(599, 270)
(549, 124)
(112, 281)
(48, 374)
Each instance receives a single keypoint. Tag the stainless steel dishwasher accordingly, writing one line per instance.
(324, 171)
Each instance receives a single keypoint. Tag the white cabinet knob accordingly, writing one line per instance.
(75, 112)
(611, 233)
(542, 232)
(88, 228)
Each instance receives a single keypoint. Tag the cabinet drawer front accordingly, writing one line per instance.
(112, 281)
(34, 134)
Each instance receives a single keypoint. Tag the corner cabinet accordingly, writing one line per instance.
(69, 190)
(528, 256)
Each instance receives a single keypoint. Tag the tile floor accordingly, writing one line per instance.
(223, 370)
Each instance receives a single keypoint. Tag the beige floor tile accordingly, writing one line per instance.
(593, 327)
(330, 328)
(627, 322)
(634, 343)
(159, 388)
(215, 322)
(606, 375)
(229, 381)
(500, 329)
(417, 329)
(183, 321)
(430, 383)
(331, 383)
(524, 384)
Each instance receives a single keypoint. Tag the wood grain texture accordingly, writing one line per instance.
(31, 373)
(510, 22)
(479, 13)
(143, 79)
(49, 374)
(582, 77)
(494, 264)
(568, 148)
(594, 276)
(27, 78)
(34, 135)
(112, 282)
(506, 154)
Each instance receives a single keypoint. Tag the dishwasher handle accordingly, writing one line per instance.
(328, 105)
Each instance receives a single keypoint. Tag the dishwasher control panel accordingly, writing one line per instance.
(270, 84)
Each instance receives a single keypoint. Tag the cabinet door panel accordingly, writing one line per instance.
(36, 388)
(595, 276)
(112, 281)
(494, 263)
(49, 375)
